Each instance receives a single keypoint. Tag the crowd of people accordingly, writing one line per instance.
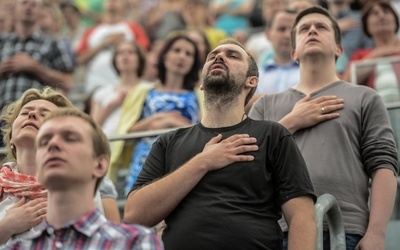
(258, 90)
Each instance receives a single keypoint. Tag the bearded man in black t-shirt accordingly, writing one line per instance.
(223, 183)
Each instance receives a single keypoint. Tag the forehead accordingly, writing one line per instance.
(181, 42)
(283, 18)
(378, 7)
(40, 103)
(314, 18)
(66, 123)
(229, 48)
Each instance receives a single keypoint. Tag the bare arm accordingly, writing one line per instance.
(383, 194)
(100, 113)
(111, 211)
(149, 205)
(161, 120)
(300, 215)
(21, 217)
(54, 78)
(307, 113)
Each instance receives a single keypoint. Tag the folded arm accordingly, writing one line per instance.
(24, 63)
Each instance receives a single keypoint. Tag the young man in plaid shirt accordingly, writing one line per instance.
(72, 157)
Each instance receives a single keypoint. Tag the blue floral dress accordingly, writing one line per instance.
(186, 103)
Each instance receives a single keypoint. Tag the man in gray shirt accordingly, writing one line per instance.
(344, 153)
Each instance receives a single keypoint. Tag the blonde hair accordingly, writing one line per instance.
(11, 111)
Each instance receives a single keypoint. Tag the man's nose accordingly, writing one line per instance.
(219, 57)
(312, 30)
(53, 144)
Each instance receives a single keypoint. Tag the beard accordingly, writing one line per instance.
(222, 88)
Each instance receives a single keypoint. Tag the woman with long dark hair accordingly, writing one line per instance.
(172, 102)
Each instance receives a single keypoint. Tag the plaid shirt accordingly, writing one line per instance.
(45, 49)
(91, 231)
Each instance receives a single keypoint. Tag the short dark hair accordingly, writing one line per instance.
(251, 71)
(287, 11)
(192, 77)
(316, 10)
(367, 10)
(139, 51)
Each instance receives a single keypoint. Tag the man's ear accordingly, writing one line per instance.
(339, 50)
(103, 162)
(294, 55)
(252, 82)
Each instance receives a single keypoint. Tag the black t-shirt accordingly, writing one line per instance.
(236, 207)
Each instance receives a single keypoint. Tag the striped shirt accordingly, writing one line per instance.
(91, 231)
(46, 50)
(275, 78)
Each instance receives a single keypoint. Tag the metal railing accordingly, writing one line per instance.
(141, 134)
(127, 137)
(369, 62)
(328, 205)
(392, 105)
